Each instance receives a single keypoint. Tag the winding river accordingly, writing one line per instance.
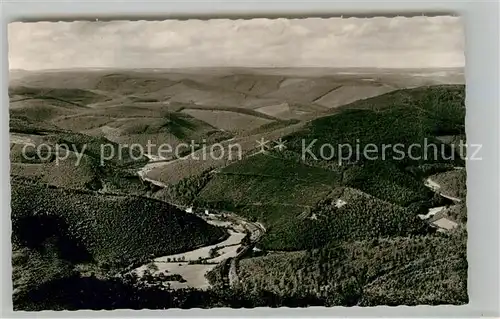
(193, 265)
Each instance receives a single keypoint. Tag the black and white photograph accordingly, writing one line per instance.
(238, 163)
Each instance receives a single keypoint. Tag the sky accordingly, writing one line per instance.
(400, 42)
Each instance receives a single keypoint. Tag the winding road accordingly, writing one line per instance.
(193, 265)
(443, 223)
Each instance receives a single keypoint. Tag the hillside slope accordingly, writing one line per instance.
(400, 271)
(389, 181)
(110, 230)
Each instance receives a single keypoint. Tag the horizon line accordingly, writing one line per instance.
(240, 67)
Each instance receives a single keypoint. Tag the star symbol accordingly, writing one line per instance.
(263, 145)
(280, 145)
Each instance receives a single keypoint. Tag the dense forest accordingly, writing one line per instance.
(398, 271)
(104, 232)
(76, 292)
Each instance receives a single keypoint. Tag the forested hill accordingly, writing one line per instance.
(107, 231)
(348, 195)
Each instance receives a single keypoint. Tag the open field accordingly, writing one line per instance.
(349, 93)
(204, 252)
(227, 121)
(194, 275)
(194, 265)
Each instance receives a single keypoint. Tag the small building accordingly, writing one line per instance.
(444, 224)
(339, 203)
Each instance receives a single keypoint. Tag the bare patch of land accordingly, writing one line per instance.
(226, 120)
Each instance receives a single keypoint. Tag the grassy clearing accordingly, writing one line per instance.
(228, 121)
(191, 92)
(281, 111)
(303, 90)
(346, 94)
